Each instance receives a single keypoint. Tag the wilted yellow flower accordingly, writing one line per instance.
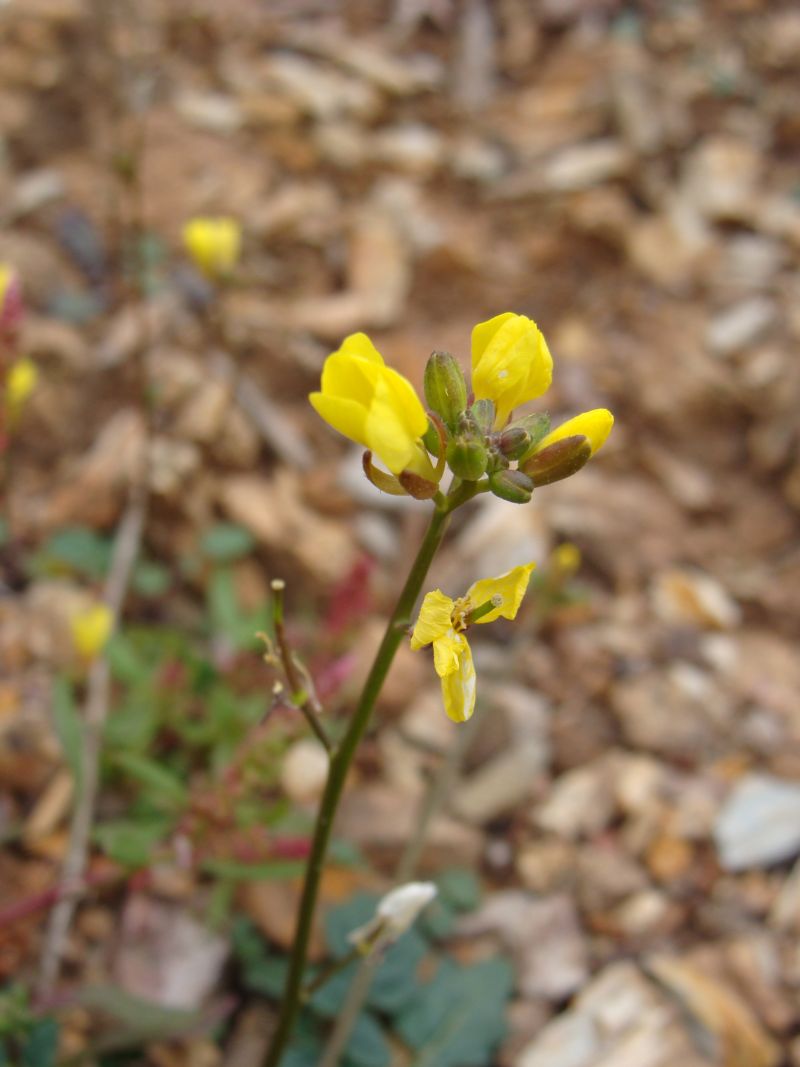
(373, 405)
(21, 380)
(214, 244)
(91, 630)
(511, 363)
(443, 621)
(594, 425)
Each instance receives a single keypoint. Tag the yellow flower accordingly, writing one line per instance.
(511, 363)
(443, 621)
(214, 244)
(594, 425)
(566, 559)
(20, 382)
(373, 405)
(91, 630)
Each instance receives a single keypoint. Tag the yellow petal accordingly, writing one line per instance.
(510, 587)
(434, 619)
(458, 687)
(594, 425)
(91, 630)
(20, 382)
(511, 362)
(447, 652)
(213, 243)
(360, 346)
(346, 416)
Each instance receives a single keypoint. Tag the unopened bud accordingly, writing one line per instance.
(514, 442)
(445, 388)
(536, 426)
(431, 439)
(511, 485)
(483, 413)
(558, 460)
(466, 457)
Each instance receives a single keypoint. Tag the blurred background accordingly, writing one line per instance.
(622, 821)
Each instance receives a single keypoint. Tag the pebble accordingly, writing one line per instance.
(736, 327)
(759, 824)
(304, 771)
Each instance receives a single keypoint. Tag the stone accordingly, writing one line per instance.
(581, 802)
(501, 783)
(741, 325)
(759, 824)
(684, 596)
(304, 771)
(544, 935)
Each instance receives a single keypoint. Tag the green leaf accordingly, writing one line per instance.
(226, 542)
(131, 843)
(127, 663)
(151, 579)
(79, 549)
(68, 727)
(162, 784)
(458, 1018)
(237, 871)
(41, 1045)
(368, 1046)
(343, 919)
(459, 887)
(438, 920)
(397, 979)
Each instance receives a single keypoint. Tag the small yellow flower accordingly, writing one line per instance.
(214, 244)
(594, 425)
(20, 382)
(566, 559)
(443, 621)
(373, 405)
(511, 363)
(91, 630)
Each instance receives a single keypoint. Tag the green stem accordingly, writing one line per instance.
(341, 758)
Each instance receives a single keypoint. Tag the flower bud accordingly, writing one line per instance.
(482, 412)
(431, 438)
(91, 629)
(445, 387)
(467, 457)
(537, 427)
(214, 244)
(558, 460)
(511, 485)
(514, 442)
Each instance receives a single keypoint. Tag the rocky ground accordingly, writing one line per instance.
(626, 176)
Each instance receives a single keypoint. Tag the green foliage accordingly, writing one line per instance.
(25, 1039)
(457, 1018)
(226, 542)
(453, 1019)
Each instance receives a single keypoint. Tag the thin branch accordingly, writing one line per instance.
(73, 881)
(302, 692)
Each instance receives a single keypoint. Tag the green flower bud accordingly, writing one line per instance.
(445, 388)
(482, 412)
(466, 457)
(511, 485)
(558, 460)
(514, 442)
(536, 426)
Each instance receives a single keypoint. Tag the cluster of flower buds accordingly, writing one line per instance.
(471, 432)
(515, 458)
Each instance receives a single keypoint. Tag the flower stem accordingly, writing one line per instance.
(341, 758)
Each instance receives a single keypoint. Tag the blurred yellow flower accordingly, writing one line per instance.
(594, 425)
(566, 559)
(214, 244)
(21, 380)
(443, 621)
(91, 630)
(511, 363)
(373, 405)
